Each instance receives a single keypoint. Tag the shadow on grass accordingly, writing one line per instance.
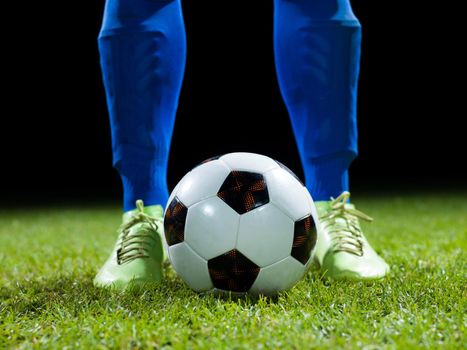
(73, 294)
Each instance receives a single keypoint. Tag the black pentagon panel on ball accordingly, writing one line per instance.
(233, 271)
(289, 171)
(304, 239)
(244, 191)
(174, 222)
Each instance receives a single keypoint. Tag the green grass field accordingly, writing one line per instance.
(48, 258)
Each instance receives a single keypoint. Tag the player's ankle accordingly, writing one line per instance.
(149, 191)
(328, 176)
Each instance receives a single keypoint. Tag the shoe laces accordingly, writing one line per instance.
(136, 245)
(341, 222)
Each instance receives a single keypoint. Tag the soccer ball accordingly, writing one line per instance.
(241, 222)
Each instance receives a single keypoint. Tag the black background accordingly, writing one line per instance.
(56, 139)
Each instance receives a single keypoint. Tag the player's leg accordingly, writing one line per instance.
(142, 49)
(317, 52)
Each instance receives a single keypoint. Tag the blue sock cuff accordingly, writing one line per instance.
(327, 177)
(144, 181)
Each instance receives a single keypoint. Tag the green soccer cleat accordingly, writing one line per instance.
(139, 252)
(342, 250)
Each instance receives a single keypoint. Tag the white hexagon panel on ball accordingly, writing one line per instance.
(279, 276)
(202, 182)
(287, 193)
(211, 227)
(190, 266)
(265, 235)
(244, 161)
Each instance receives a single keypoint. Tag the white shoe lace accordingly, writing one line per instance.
(341, 223)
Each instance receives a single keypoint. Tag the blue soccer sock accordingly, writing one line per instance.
(317, 51)
(143, 47)
(143, 179)
(328, 177)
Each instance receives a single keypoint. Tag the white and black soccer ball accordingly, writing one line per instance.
(241, 222)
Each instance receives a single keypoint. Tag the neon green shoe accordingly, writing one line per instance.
(139, 252)
(342, 250)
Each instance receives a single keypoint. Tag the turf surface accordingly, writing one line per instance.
(48, 258)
